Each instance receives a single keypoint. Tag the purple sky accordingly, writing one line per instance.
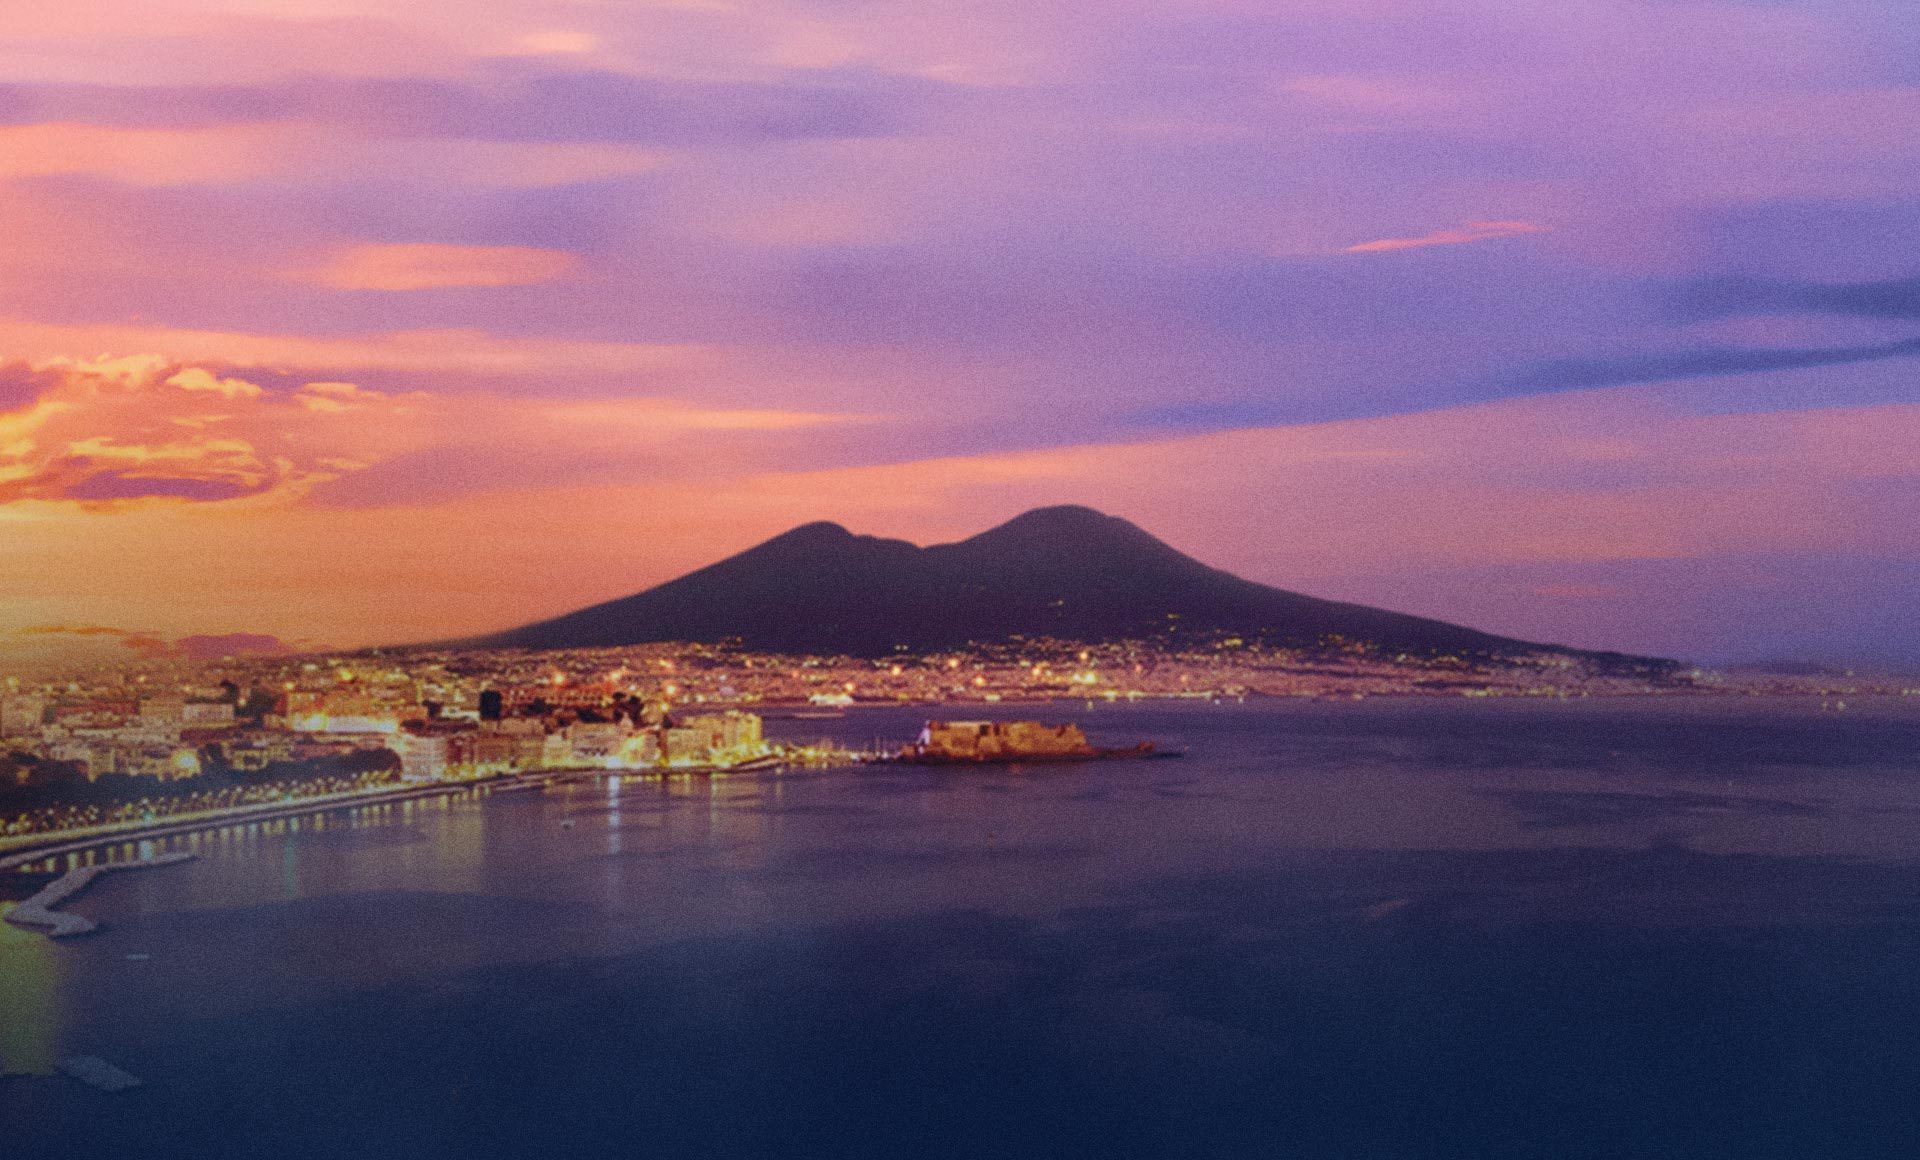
(1639, 279)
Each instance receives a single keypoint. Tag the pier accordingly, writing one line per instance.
(41, 910)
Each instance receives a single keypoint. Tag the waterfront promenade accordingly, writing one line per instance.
(28, 849)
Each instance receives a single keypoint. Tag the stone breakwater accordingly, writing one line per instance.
(42, 909)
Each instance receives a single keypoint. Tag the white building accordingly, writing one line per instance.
(728, 737)
(597, 745)
(556, 752)
(206, 715)
(423, 756)
(162, 712)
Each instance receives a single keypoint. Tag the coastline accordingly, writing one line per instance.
(27, 849)
(24, 850)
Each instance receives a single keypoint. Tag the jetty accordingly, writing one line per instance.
(42, 909)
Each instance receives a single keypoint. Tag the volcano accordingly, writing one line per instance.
(1069, 572)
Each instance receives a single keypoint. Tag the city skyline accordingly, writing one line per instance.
(343, 328)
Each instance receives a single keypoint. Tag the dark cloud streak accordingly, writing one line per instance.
(1733, 296)
(1582, 374)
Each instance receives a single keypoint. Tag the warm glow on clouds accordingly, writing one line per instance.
(1602, 478)
(624, 418)
(425, 266)
(444, 351)
(1471, 232)
(137, 156)
(107, 432)
(217, 154)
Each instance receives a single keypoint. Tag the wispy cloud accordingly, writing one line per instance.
(193, 647)
(429, 266)
(1667, 366)
(465, 351)
(1471, 232)
(519, 101)
(138, 640)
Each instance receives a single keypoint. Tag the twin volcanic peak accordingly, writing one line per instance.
(1068, 572)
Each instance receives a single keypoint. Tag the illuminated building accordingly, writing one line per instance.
(205, 715)
(993, 740)
(685, 746)
(423, 756)
(21, 715)
(340, 713)
(163, 711)
(730, 736)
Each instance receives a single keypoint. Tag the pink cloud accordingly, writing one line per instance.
(427, 266)
(1482, 231)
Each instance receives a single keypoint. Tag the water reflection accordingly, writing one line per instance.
(29, 1000)
(412, 892)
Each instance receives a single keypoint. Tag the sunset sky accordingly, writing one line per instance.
(354, 323)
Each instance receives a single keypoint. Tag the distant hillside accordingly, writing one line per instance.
(1066, 572)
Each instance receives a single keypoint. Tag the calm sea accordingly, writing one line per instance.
(1379, 929)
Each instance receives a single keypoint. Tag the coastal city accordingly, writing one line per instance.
(165, 739)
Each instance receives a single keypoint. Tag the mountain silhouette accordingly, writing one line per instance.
(1066, 572)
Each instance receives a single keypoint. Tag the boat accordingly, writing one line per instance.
(1012, 742)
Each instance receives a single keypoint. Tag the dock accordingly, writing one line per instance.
(42, 911)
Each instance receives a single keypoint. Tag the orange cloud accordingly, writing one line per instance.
(1471, 232)
(110, 431)
(620, 419)
(428, 266)
(461, 351)
(137, 156)
(77, 630)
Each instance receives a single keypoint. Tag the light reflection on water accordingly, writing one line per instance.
(29, 1000)
(281, 911)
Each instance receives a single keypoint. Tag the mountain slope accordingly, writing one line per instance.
(1067, 572)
